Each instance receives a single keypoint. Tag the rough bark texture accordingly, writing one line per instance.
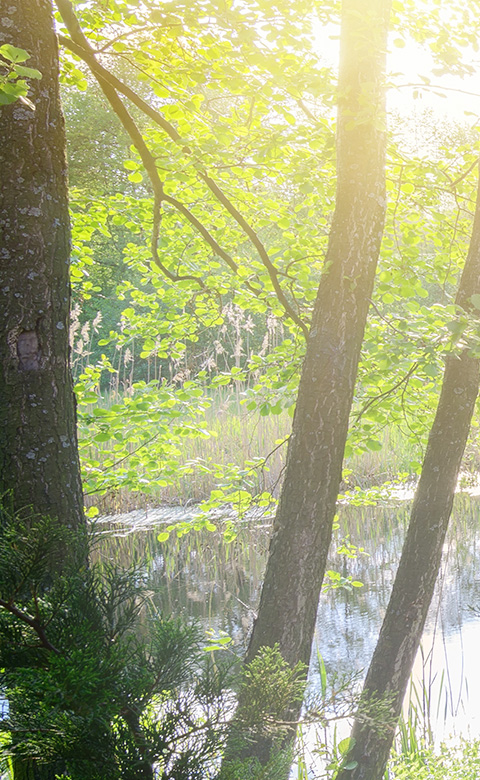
(39, 465)
(303, 524)
(414, 584)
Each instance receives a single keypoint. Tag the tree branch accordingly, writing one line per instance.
(130, 126)
(376, 398)
(80, 46)
(24, 617)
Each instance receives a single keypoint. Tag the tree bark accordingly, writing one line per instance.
(402, 628)
(303, 524)
(39, 464)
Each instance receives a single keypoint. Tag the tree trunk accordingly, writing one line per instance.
(303, 524)
(39, 464)
(414, 584)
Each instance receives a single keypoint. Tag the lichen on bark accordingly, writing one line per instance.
(37, 410)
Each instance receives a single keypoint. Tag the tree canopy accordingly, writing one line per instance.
(247, 208)
(253, 112)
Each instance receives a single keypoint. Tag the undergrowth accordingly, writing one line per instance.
(450, 762)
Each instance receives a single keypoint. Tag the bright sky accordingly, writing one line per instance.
(411, 62)
(406, 66)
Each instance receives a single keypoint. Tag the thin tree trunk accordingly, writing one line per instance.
(303, 524)
(39, 464)
(407, 610)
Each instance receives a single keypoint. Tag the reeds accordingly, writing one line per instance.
(250, 444)
(248, 447)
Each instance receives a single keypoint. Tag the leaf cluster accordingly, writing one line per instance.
(269, 688)
(234, 108)
(14, 75)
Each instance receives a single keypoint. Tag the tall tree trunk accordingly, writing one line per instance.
(303, 524)
(414, 584)
(39, 464)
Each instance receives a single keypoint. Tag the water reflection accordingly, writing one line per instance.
(201, 576)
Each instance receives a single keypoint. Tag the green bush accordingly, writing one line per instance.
(99, 685)
(457, 762)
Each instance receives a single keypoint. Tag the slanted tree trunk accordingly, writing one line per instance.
(414, 584)
(39, 464)
(303, 524)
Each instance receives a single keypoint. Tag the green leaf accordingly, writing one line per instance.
(104, 436)
(12, 54)
(29, 73)
(345, 745)
(5, 99)
(101, 412)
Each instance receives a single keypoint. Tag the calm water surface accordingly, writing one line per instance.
(201, 576)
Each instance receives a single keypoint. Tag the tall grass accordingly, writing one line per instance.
(450, 762)
(240, 439)
(245, 441)
(394, 459)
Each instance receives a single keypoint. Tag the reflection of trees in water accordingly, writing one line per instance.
(199, 575)
(202, 576)
(348, 622)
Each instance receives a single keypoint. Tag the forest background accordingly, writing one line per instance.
(201, 340)
(182, 389)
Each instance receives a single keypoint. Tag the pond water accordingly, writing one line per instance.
(218, 583)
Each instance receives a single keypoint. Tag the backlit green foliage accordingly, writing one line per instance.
(212, 289)
(14, 75)
(461, 761)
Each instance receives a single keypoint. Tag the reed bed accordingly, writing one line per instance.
(245, 442)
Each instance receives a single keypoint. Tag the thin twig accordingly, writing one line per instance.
(401, 382)
(32, 622)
